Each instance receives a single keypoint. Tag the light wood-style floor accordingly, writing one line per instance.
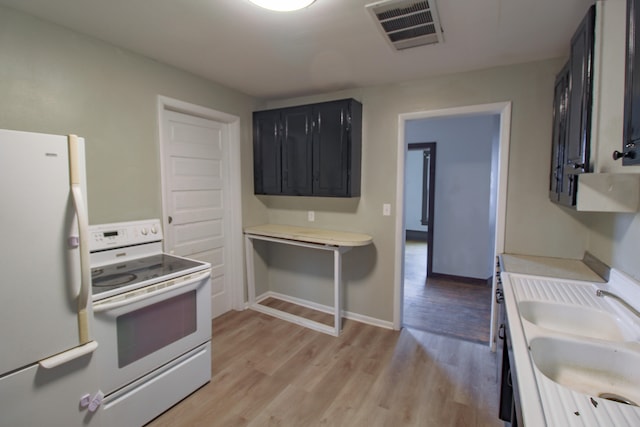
(269, 372)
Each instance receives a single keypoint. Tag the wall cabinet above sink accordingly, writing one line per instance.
(630, 150)
(588, 118)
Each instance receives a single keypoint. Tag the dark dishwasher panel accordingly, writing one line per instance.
(509, 402)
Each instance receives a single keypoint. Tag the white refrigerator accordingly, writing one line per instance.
(48, 375)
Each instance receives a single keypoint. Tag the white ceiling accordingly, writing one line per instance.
(331, 45)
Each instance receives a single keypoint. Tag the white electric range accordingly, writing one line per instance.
(152, 321)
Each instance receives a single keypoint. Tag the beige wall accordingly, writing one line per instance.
(56, 81)
(53, 80)
(534, 225)
(615, 239)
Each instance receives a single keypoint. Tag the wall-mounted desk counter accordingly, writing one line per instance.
(328, 240)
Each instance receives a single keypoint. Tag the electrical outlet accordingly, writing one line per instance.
(311, 216)
(386, 209)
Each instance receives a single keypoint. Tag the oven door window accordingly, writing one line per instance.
(151, 328)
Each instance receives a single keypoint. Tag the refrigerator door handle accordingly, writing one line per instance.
(83, 231)
(68, 355)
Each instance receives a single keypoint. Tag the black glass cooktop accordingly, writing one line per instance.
(113, 276)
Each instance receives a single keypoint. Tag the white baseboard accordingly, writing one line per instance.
(325, 309)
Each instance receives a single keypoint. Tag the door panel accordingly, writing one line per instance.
(580, 92)
(330, 149)
(559, 135)
(296, 151)
(195, 174)
(267, 178)
(631, 142)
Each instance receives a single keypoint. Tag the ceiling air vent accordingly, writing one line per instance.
(407, 23)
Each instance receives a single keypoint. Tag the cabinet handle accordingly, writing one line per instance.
(619, 155)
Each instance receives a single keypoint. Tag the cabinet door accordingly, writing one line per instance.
(567, 179)
(631, 141)
(559, 137)
(331, 149)
(266, 153)
(580, 93)
(296, 151)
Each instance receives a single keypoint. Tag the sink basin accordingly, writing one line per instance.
(605, 371)
(573, 319)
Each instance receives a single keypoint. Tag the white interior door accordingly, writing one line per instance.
(195, 174)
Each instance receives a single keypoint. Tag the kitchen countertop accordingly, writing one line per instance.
(311, 235)
(325, 240)
(561, 268)
(544, 402)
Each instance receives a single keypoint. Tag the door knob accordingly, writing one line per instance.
(170, 219)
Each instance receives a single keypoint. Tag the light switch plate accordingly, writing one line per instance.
(386, 209)
(311, 216)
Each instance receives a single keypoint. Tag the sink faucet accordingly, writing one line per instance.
(603, 293)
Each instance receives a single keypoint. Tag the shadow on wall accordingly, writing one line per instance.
(308, 273)
(314, 264)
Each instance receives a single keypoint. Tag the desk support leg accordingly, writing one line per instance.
(337, 293)
(251, 274)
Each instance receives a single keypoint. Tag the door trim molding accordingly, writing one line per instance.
(431, 196)
(503, 109)
(233, 209)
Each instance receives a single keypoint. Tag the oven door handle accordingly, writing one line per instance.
(142, 294)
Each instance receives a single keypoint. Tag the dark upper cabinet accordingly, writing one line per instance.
(296, 151)
(561, 187)
(572, 105)
(267, 153)
(580, 95)
(630, 153)
(318, 150)
(336, 158)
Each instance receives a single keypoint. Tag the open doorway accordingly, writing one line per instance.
(455, 296)
(452, 186)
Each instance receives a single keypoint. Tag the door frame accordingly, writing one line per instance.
(430, 199)
(503, 109)
(233, 203)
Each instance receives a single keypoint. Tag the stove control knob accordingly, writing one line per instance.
(144, 231)
(154, 230)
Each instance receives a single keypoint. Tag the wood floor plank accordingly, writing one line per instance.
(269, 372)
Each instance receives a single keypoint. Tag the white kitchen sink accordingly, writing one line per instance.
(606, 371)
(576, 320)
(576, 354)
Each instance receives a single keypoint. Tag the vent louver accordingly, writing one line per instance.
(407, 23)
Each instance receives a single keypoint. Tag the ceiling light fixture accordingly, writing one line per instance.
(283, 5)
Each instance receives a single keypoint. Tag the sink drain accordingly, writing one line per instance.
(617, 398)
